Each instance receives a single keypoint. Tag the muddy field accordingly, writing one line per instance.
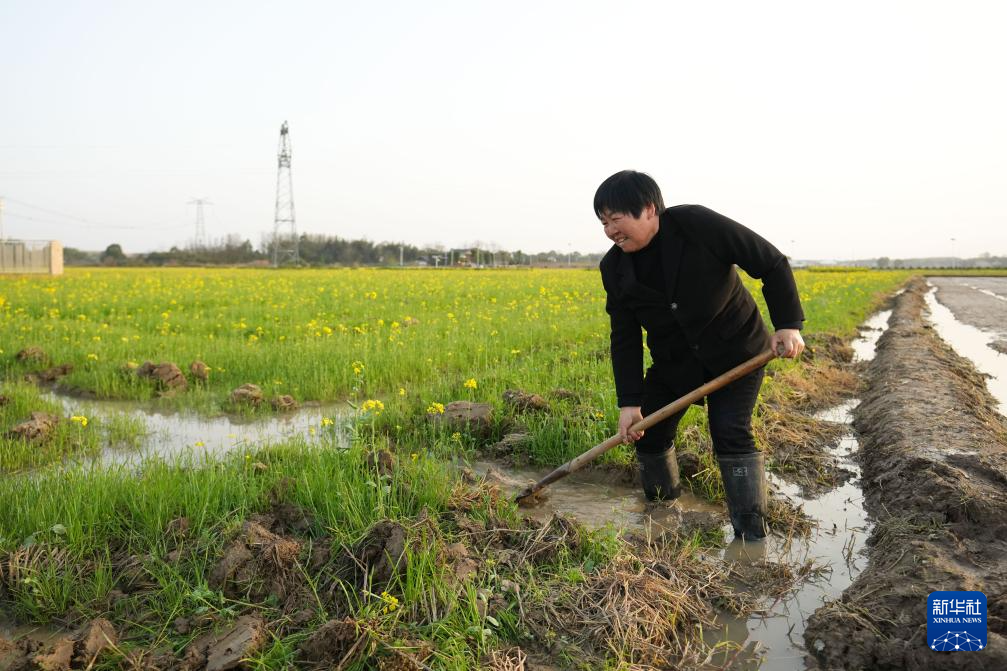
(887, 479)
(934, 458)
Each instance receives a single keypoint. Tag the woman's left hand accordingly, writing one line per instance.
(787, 343)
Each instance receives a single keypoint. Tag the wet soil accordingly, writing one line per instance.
(934, 459)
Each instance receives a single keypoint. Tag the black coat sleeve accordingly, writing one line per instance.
(733, 243)
(626, 348)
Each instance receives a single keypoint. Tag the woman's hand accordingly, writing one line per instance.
(629, 416)
(787, 343)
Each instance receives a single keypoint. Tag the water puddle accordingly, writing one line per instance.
(595, 499)
(974, 344)
(46, 635)
(865, 345)
(179, 435)
(773, 638)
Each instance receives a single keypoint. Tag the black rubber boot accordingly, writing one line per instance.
(659, 475)
(747, 498)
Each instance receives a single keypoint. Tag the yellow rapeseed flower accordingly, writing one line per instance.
(372, 405)
(80, 419)
(326, 421)
(435, 408)
(391, 603)
(471, 383)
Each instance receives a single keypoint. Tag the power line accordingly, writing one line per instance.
(27, 217)
(154, 227)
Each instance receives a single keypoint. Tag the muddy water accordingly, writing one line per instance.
(595, 499)
(837, 543)
(43, 634)
(773, 638)
(182, 435)
(970, 314)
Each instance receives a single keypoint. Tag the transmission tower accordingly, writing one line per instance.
(284, 225)
(200, 240)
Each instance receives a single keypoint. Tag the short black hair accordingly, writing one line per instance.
(628, 191)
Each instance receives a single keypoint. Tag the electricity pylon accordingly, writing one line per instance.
(200, 240)
(284, 225)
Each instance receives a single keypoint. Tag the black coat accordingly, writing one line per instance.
(705, 322)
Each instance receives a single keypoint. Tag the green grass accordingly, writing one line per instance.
(83, 522)
(409, 338)
(71, 438)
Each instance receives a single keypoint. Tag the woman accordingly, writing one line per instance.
(671, 272)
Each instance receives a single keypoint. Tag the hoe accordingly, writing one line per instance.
(575, 464)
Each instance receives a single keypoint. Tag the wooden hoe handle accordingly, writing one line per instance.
(650, 420)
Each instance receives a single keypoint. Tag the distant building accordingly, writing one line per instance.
(31, 256)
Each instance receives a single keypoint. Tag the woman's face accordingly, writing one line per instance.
(629, 233)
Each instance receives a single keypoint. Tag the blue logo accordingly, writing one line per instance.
(956, 621)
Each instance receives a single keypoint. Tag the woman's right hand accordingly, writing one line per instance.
(629, 416)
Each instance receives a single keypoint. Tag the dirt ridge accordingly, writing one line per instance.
(934, 459)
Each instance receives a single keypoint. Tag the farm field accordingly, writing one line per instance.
(360, 539)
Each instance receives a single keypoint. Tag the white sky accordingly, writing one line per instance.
(836, 130)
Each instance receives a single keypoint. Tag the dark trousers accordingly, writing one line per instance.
(729, 410)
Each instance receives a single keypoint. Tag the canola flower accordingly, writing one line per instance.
(396, 320)
(391, 603)
(372, 405)
(79, 419)
(435, 408)
(327, 421)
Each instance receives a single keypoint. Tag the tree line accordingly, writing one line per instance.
(325, 250)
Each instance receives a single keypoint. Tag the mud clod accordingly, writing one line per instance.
(199, 371)
(509, 444)
(377, 558)
(50, 375)
(258, 562)
(167, 375)
(38, 428)
(522, 401)
(999, 346)
(476, 418)
(561, 394)
(337, 643)
(381, 460)
(32, 353)
(283, 403)
(247, 394)
(79, 651)
(462, 566)
(227, 650)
